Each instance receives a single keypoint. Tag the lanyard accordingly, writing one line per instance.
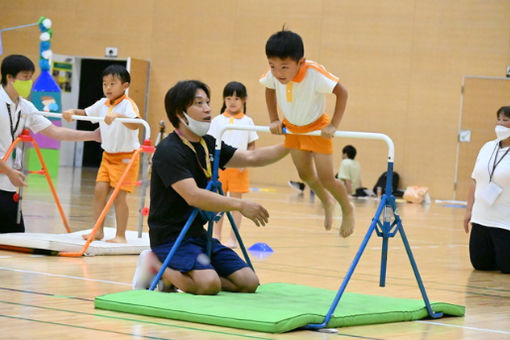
(15, 127)
(496, 162)
(207, 171)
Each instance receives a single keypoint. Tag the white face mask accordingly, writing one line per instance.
(197, 127)
(502, 132)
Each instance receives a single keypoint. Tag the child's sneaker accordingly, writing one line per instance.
(144, 273)
(298, 186)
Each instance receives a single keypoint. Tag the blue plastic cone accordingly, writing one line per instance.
(260, 250)
(260, 246)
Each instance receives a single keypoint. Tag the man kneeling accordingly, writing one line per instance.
(181, 168)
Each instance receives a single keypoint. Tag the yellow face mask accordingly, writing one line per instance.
(23, 87)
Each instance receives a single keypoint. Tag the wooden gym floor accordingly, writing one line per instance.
(52, 297)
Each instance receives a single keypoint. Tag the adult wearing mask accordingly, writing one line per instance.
(17, 113)
(488, 206)
(181, 168)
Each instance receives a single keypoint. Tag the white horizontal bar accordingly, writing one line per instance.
(97, 119)
(344, 134)
(16, 27)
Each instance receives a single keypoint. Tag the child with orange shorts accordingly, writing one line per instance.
(119, 141)
(299, 87)
(235, 181)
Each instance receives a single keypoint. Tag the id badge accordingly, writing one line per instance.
(17, 157)
(491, 193)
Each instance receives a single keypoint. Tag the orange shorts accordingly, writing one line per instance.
(234, 180)
(112, 167)
(316, 144)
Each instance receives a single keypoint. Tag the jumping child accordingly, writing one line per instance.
(298, 86)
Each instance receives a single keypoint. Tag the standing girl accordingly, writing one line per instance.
(234, 181)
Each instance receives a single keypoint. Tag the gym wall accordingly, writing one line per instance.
(401, 61)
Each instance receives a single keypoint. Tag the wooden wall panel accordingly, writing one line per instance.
(139, 71)
(401, 61)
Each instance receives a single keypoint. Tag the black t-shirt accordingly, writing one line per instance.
(173, 161)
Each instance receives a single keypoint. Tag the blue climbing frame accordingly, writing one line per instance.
(386, 222)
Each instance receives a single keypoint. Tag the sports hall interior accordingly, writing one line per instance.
(418, 71)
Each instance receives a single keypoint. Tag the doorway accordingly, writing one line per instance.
(481, 98)
(91, 90)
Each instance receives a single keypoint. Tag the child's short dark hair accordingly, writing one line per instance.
(350, 151)
(285, 44)
(14, 64)
(180, 97)
(117, 70)
(505, 111)
(234, 88)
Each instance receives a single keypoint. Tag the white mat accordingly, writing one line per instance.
(73, 242)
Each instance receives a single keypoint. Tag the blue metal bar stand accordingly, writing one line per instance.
(391, 220)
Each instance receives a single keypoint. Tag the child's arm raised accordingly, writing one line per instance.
(275, 124)
(341, 101)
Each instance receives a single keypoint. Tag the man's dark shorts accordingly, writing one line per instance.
(192, 255)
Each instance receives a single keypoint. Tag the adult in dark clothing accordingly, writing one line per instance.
(181, 168)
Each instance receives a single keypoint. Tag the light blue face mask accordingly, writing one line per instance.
(197, 127)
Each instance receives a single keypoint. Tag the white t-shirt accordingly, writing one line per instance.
(497, 214)
(236, 138)
(27, 115)
(350, 170)
(116, 137)
(303, 99)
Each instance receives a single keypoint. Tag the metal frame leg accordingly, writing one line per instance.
(176, 245)
(354, 263)
(388, 208)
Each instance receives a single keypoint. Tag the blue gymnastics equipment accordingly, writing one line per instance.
(387, 228)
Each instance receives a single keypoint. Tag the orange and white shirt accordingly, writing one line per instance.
(236, 138)
(116, 137)
(302, 100)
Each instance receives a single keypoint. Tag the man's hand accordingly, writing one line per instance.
(17, 178)
(328, 131)
(97, 135)
(276, 127)
(255, 212)
(67, 115)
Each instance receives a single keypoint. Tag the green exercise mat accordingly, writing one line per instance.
(274, 308)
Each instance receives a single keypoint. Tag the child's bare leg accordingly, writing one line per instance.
(303, 160)
(200, 282)
(244, 280)
(121, 217)
(324, 165)
(236, 215)
(217, 228)
(101, 192)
